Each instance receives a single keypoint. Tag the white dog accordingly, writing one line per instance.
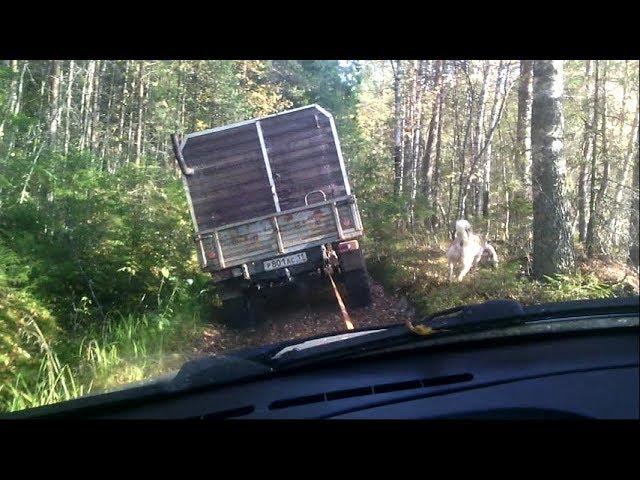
(467, 249)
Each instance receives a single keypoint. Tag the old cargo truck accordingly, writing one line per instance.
(271, 204)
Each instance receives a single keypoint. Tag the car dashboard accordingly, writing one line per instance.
(584, 375)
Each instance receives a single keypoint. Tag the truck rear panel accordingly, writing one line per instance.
(268, 186)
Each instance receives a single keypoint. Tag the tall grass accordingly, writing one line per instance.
(124, 349)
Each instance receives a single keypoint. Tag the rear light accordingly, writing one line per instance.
(348, 246)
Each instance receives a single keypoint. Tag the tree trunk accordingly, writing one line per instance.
(503, 78)
(417, 136)
(523, 128)
(13, 90)
(485, 190)
(633, 223)
(477, 139)
(433, 138)
(409, 129)
(552, 249)
(606, 164)
(507, 202)
(106, 140)
(583, 213)
(54, 101)
(622, 178)
(67, 113)
(590, 237)
(17, 101)
(435, 184)
(95, 109)
(86, 104)
(486, 183)
(131, 106)
(140, 125)
(462, 186)
(398, 136)
(122, 113)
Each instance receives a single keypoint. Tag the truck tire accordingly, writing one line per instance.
(242, 311)
(358, 288)
(355, 278)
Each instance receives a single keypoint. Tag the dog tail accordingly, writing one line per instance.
(492, 251)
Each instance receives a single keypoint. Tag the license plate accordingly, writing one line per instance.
(287, 261)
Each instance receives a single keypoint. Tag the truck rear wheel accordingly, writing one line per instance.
(356, 279)
(358, 288)
(242, 311)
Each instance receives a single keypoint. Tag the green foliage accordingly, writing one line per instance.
(19, 307)
(105, 257)
(120, 351)
(104, 240)
(419, 272)
(99, 280)
(579, 286)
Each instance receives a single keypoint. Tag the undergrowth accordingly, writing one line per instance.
(419, 272)
(121, 351)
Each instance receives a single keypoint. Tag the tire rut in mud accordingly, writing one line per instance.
(289, 315)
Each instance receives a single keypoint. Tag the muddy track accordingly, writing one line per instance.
(290, 316)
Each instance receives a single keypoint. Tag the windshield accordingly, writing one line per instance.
(157, 212)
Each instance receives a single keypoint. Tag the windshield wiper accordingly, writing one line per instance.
(491, 315)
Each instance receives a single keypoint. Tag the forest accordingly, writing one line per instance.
(99, 282)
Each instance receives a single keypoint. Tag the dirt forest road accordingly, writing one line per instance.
(288, 316)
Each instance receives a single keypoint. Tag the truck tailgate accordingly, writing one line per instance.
(281, 233)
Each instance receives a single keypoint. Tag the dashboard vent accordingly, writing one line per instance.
(232, 413)
(370, 390)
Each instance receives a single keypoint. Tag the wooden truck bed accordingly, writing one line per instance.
(267, 186)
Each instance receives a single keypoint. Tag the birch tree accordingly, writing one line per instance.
(54, 101)
(523, 129)
(398, 137)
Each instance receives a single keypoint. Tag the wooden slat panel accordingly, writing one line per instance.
(283, 144)
(299, 133)
(304, 125)
(205, 221)
(303, 162)
(230, 182)
(219, 201)
(294, 196)
(306, 117)
(215, 198)
(212, 162)
(230, 179)
(322, 174)
(315, 155)
(220, 141)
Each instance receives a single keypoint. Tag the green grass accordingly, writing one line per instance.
(419, 272)
(124, 350)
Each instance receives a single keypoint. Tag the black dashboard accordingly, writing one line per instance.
(585, 375)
